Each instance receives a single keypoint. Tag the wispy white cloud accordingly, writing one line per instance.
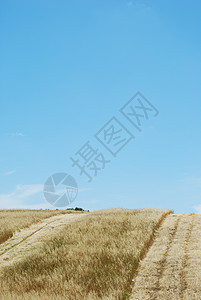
(28, 190)
(9, 173)
(16, 134)
(20, 197)
(21, 192)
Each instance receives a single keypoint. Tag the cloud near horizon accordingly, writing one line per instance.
(18, 198)
(21, 192)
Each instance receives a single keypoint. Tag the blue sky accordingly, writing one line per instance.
(67, 67)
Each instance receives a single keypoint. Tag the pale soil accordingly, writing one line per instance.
(24, 241)
(172, 267)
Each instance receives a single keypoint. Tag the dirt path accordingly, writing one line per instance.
(171, 269)
(24, 241)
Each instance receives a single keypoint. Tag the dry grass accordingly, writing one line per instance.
(94, 258)
(15, 220)
(172, 267)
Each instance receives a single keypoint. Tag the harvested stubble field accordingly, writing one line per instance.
(15, 220)
(95, 257)
(172, 266)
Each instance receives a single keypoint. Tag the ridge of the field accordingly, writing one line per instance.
(172, 266)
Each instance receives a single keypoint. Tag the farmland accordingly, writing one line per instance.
(94, 257)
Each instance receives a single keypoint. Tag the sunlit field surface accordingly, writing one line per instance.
(15, 220)
(93, 258)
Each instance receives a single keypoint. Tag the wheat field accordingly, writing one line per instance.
(93, 258)
(15, 220)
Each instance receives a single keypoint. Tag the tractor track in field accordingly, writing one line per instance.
(172, 266)
(24, 241)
